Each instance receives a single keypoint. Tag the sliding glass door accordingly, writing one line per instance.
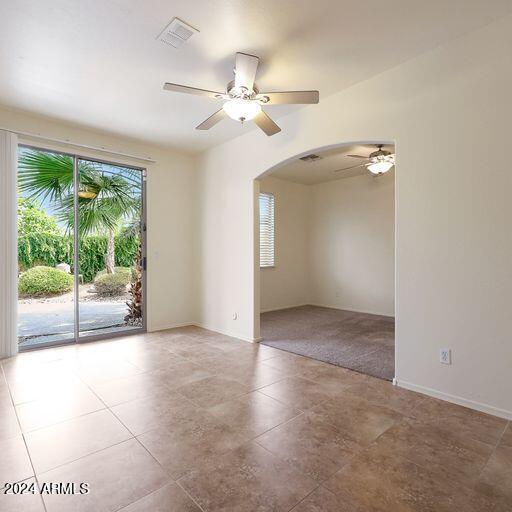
(110, 228)
(45, 222)
(81, 248)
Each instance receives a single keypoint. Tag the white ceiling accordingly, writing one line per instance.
(313, 172)
(98, 63)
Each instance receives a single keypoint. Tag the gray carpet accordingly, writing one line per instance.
(358, 341)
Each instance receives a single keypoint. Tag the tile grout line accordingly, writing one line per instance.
(498, 442)
(203, 408)
(144, 448)
(72, 419)
(82, 381)
(115, 444)
(452, 482)
(299, 471)
(189, 495)
(83, 456)
(255, 439)
(171, 479)
(62, 421)
(361, 448)
(306, 497)
(34, 476)
(40, 494)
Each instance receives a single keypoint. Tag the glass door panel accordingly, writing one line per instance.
(110, 249)
(45, 248)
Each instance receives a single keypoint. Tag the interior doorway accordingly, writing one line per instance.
(327, 257)
(81, 248)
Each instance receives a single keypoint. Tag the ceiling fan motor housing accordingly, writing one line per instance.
(242, 92)
(379, 153)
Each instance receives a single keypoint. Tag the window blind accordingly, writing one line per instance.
(266, 230)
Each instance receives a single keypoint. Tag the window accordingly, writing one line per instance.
(266, 230)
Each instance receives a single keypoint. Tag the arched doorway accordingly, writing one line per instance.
(324, 259)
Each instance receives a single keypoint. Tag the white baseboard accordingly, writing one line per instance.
(208, 328)
(227, 333)
(471, 404)
(169, 326)
(284, 307)
(330, 306)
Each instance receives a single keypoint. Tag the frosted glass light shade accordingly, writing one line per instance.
(241, 110)
(380, 167)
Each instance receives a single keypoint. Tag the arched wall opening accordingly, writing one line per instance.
(312, 182)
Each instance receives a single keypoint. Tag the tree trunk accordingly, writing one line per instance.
(134, 316)
(110, 261)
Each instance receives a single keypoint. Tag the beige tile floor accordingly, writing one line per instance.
(190, 420)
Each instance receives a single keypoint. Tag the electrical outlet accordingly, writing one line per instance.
(445, 356)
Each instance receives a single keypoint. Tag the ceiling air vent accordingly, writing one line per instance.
(176, 33)
(310, 158)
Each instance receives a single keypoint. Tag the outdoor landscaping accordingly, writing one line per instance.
(43, 282)
(109, 204)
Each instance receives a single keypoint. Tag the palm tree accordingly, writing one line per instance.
(105, 197)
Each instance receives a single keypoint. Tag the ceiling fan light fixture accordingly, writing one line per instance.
(380, 167)
(241, 110)
(381, 163)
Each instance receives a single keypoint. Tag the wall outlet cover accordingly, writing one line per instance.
(445, 356)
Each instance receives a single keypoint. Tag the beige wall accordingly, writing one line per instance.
(352, 244)
(171, 212)
(448, 112)
(286, 284)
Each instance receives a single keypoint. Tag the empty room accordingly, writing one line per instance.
(255, 256)
(327, 257)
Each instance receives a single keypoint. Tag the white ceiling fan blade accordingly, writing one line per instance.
(212, 120)
(266, 124)
(193, 90)
(245, 70)
(288, 98)
(358, 156)
(351, 167)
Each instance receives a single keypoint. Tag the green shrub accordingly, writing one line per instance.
(112, 284)
(126, 271)
(44, 281)
(93, 249)
(47, 249)
(51, 249)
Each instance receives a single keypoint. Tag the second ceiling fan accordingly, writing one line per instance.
(379, 161)
(243, 100)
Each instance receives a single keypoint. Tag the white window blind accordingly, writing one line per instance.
(266, 230)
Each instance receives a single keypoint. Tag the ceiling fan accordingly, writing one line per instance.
(243, 101)
(379, 161)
